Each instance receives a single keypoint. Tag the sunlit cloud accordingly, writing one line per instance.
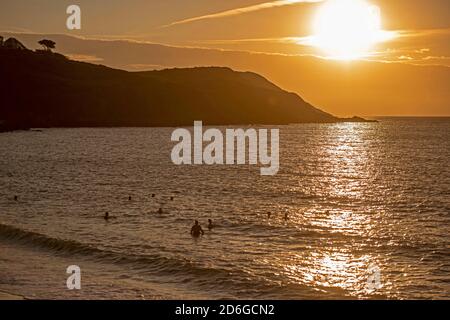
(242, 10)
(397, 46)
(292, 40)
(311, 41)
(424, 32)
(84, 57)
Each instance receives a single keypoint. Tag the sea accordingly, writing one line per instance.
(357, 211)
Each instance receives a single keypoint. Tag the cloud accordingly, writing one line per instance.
(7, 29)
(146, 66)
(84, 57)
(408, 46)
(309, 41)
(242, 10)
(423, 33)
(265, 40)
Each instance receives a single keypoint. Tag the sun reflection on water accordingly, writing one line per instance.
(341, 262)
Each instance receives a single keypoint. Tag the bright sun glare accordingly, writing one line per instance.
(348, 29)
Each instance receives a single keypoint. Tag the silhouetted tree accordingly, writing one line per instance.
(47, 44)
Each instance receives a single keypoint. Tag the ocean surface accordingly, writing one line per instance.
(365, 201)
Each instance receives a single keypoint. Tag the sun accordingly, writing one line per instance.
(348, 29)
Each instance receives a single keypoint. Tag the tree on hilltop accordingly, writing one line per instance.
(47, 44)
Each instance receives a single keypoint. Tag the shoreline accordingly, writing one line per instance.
(8, 296)
(184, 125)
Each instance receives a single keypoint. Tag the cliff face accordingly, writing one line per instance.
(45, 89)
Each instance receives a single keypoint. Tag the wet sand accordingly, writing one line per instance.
(8, 296)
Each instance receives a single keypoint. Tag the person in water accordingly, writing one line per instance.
(210, 225)
(197, 230)
(106, 215)
(16, 198)
(286, 216)
(160, 210)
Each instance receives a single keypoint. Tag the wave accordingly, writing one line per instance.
(71, 247)
(37, 239)
(182, 270)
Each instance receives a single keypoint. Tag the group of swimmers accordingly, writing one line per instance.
(196, 230)
(159, 211)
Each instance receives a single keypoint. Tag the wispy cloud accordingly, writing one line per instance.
(14, 30)
(295, 40)
(423, 32)
(84, 57)
(310, 41)
(242, 10)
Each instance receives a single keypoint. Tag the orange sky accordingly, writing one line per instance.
(277, 27)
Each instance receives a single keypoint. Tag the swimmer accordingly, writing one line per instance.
(210, 225)
(153, 195)
(197, 230)
(16, 198)
(286, 216)
(129, 198)
(171, 198)
(269, 214)
(106, 217)
(160, 210)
